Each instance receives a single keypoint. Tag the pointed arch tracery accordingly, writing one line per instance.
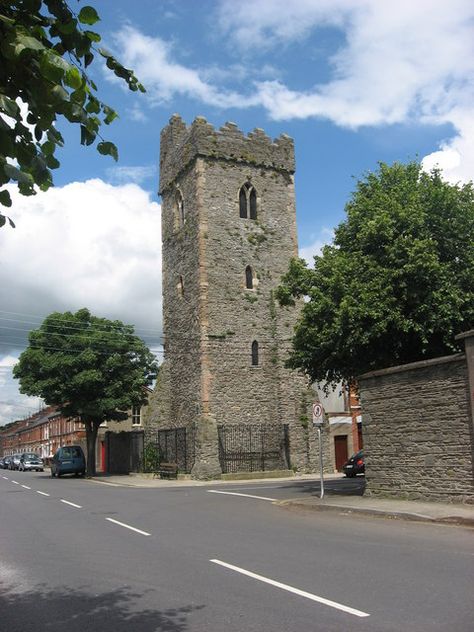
(248, 202)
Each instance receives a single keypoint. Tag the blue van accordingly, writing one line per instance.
(69, 459)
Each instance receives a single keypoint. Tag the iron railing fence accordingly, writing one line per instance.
(169, 445)
(253, 447)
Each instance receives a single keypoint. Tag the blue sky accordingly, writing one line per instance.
(353, 82)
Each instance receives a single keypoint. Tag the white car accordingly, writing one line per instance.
(30, 461)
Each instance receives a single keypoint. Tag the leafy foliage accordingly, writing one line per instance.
(45, 50)
(396, 285)
(91, 368)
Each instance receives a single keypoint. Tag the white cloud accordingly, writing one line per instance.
(150, 57)
(314, 248)
(456, 156)
(137, 114)
(87, 244)
(268, 23)
(135, 174)
(400, 62)
(413, 61)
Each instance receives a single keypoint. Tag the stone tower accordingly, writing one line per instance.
(228, 231)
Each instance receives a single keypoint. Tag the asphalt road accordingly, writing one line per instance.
(82, 555)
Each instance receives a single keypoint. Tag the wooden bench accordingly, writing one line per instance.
(167, 470)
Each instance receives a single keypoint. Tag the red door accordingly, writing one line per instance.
(102, 455)
(340, 450)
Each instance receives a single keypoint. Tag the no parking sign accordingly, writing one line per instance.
(318, 414)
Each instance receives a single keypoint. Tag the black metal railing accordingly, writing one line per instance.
(169, 445)
(253, 447)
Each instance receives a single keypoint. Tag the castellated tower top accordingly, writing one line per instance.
(181, 144)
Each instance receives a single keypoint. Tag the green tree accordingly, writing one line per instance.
(92, 368)
(45, 49)
(395, 286)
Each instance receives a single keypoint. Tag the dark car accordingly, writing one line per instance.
(69, 459)
(355, 465)
(6, 462)
(2, 463)
(30, 461)
(14, 461)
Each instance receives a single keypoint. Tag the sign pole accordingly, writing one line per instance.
(321, 495)
(318, 420)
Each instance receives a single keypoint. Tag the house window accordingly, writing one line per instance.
(254, 353)
(136, 416)
(248, 202)
(248, 278)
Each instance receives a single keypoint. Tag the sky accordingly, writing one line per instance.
(353, 82)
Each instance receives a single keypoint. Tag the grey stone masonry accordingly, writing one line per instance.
(220, 271)
(418, 437)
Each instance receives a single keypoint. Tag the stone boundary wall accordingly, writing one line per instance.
(418, 430)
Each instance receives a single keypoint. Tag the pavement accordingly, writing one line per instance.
(391, 508)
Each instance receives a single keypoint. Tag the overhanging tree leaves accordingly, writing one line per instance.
(91, 368)
(45, 49)
(396, 285)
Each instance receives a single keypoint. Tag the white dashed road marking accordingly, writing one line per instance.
(67, 502)
(296, 591)
(127, 526)
(42, 493)
(16, 482)
(26, 487)
(215, 491)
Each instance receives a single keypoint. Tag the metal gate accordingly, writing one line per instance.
(253, 447)
(123, 451)
(170, 445)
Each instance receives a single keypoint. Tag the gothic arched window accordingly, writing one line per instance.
(248, 202)
(248, 278)
(254, 353)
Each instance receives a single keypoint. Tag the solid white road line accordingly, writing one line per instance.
(67, 502)
(127, 526)
(296, 591)
(42, 493)
(215, 491)
(26, 487)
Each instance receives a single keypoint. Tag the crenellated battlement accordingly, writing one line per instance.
(180, 144)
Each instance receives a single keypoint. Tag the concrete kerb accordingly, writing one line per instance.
(440, 513)
(150, 481)
(398, 510)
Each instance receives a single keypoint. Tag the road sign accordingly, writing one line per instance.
(318, 414)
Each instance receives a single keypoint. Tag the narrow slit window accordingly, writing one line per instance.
(180, 286)
(254, 353)
(243, 203)
(253, 204)
(248, 278)
(180, 210)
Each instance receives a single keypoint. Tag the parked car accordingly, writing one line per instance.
(2, 462)
(6, 462)
(355, 465)
(30, 461)
(14, 461)
(69, 459)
